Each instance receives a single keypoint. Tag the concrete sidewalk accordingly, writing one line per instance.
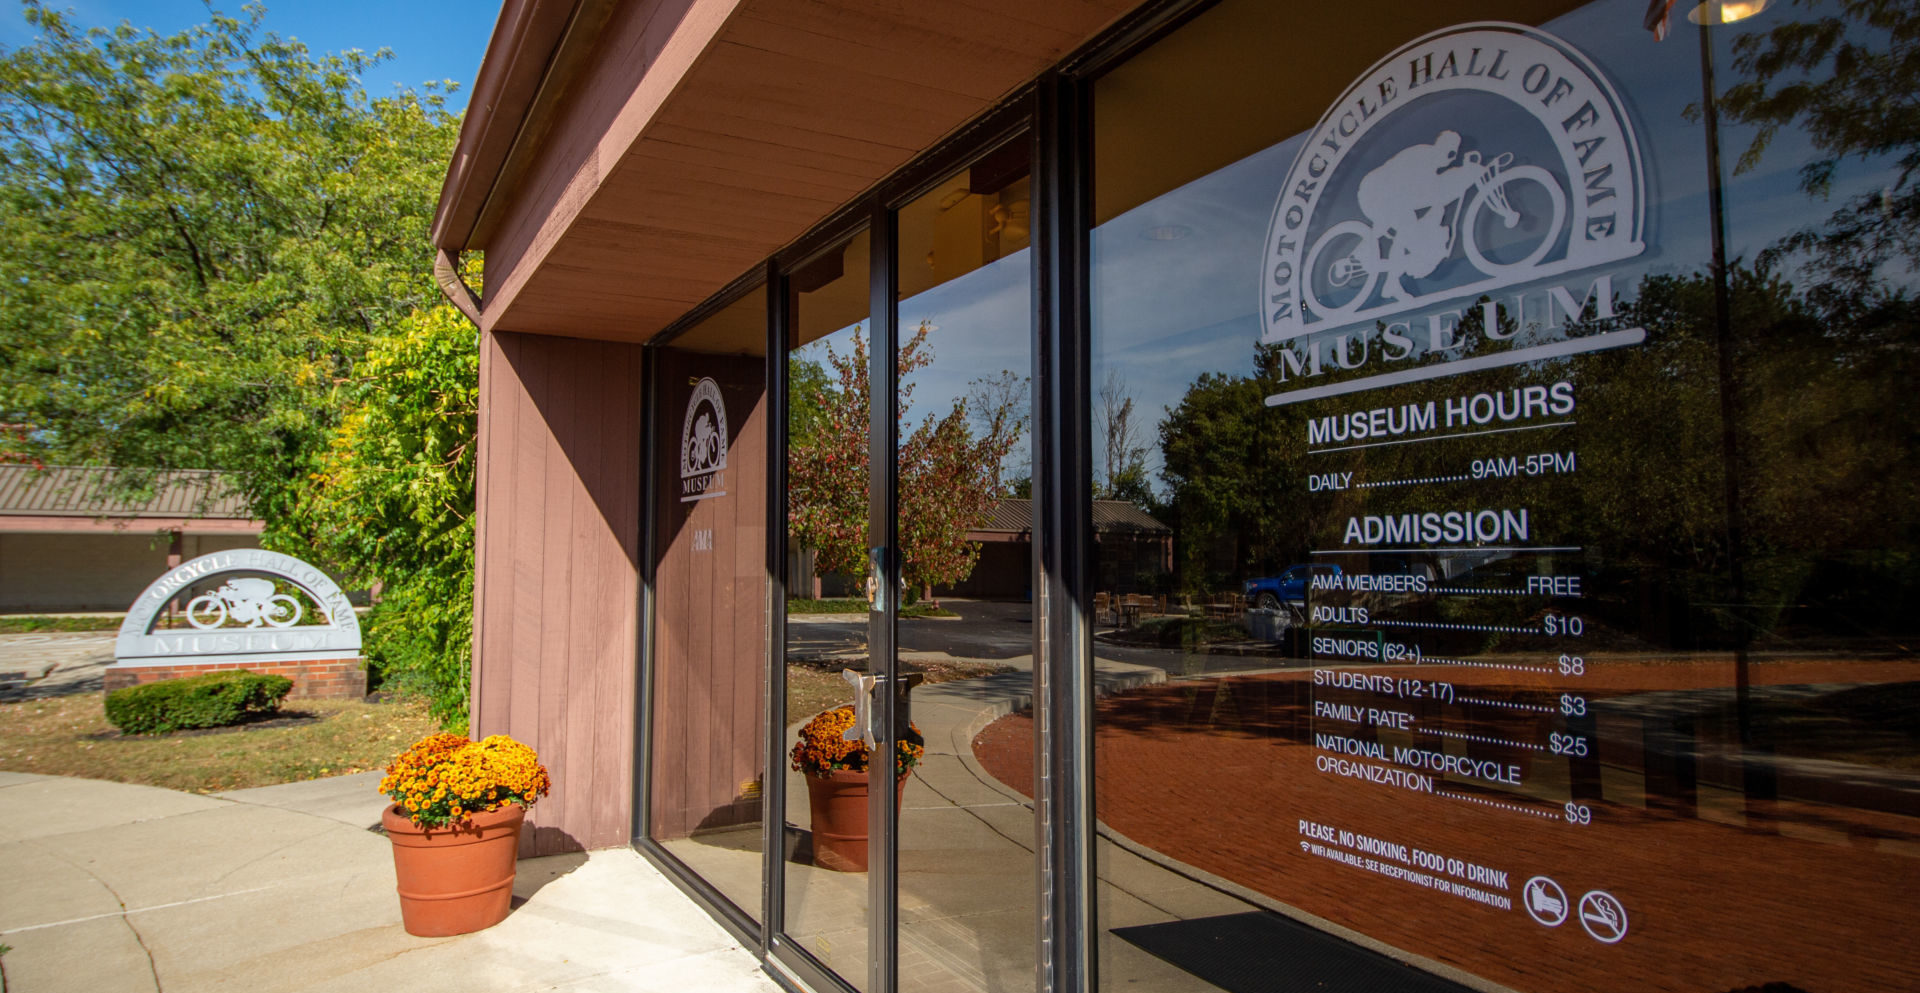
(106, 887)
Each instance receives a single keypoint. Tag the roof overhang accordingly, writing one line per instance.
(141, 525)
(620, 164)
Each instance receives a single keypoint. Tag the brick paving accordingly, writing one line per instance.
(1218, 774)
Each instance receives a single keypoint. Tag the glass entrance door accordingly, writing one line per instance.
(963, 642)
(826, 919)
(908, 577)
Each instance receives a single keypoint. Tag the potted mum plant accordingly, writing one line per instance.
(837, 785)
(455, 828)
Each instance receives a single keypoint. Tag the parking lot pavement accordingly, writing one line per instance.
(991, 630)
(53, 663)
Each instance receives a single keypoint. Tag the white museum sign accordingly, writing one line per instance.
(243, 618)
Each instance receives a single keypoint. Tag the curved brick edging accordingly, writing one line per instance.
(986, 700)
(322, 679)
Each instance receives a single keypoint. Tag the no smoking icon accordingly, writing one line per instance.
(1604, 917)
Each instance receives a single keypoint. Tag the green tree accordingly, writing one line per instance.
(1232, 467)
(391, 498)
(806, 385)
(203, 233)
(1847, 75)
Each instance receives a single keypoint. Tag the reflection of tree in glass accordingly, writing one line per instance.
(1004, 398)
(1827, 426)
(1848, 75)
(1234, 469)
(1124, 475)
(949, 478)
(806, 383)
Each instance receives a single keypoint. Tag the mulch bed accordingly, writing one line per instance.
(251, 722)
(1219, 773)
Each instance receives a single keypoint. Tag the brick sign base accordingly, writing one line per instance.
(326, 679)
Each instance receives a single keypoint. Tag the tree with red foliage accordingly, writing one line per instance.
(949, 476)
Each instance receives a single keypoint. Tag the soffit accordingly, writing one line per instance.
(755, 120)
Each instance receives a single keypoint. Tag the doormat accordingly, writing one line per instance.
(1263, 952)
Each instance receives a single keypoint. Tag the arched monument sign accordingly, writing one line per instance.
(243, 616)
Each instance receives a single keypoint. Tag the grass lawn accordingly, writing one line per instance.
(24, 624)
(70, 736)
(814, 686)
(800, 605)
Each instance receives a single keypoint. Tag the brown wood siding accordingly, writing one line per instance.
(557, 554)
(710, 620)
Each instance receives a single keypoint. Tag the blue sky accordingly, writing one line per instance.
(430, 39)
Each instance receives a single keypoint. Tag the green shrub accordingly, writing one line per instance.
(392, 497)
(216, 699)
(419, 639)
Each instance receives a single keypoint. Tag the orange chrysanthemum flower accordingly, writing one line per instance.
(445, 778)
(823, 747)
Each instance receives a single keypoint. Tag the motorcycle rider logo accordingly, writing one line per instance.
(1417, 205)
(703, 443)
(1471, 159)
(703, 447)
(249, 601)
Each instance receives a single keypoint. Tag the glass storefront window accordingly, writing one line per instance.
(966, 627)
(708, 755)
(827, 598)
(1502, 519)
(1515, 592)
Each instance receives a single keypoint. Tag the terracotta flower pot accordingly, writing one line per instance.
(455, 879)
(839, 807)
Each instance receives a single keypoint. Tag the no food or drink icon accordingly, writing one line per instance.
(1546, 902)
(1604, 917)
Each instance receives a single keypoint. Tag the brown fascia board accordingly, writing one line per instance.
(511, 74)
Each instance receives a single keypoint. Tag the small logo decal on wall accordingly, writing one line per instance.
(703, 444)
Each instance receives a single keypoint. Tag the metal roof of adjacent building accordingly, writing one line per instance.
(1109, 517)
(88, 491)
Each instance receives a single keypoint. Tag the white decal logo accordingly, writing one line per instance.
(1545, 901)
(703, 444)
(1478, 157)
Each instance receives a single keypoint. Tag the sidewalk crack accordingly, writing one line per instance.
(152, 968)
